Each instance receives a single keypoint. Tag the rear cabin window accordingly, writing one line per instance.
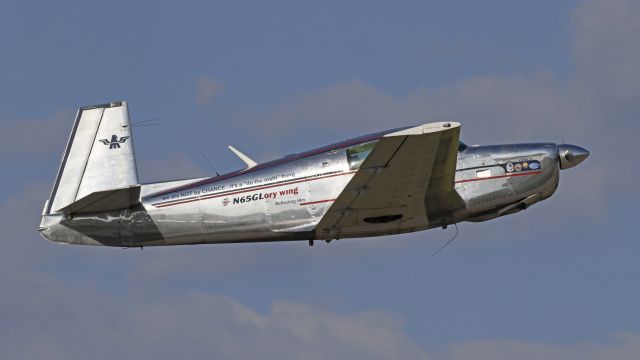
(356, 154)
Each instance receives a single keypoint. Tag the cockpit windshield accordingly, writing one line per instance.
(356, 154)
(461, 146)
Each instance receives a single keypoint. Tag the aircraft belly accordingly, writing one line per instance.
(180, 221)
(222, 217)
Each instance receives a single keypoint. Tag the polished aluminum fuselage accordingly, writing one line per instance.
(285, 199)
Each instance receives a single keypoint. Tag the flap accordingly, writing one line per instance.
(393, 190)
(106, 200)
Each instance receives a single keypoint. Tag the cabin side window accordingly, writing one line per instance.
(357, 153)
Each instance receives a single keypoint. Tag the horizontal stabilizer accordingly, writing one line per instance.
(106, 200)
(247, 160)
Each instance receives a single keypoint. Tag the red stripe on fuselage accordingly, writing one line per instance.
(212, 196)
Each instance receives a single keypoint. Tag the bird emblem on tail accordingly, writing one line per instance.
(115, 142)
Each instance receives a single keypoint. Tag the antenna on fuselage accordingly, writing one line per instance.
(448, 242)
(210, 164)
(144, 123)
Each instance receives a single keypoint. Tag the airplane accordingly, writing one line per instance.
(390, 182)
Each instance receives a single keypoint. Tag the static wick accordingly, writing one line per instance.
(448, 242)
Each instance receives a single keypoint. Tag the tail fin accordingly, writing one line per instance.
(99, 155)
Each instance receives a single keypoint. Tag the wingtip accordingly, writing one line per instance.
(247, 160)
(427, 128)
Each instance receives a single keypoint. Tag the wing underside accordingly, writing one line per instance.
(405, 184)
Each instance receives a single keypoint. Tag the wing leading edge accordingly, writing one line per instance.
(407, 180)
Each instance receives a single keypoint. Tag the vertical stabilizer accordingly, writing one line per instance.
(99, 155)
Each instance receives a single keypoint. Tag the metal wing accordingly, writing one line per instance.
(405, 184)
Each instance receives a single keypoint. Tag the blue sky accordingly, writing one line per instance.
(558, 281)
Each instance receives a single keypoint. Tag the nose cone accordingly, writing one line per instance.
(571, 155)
